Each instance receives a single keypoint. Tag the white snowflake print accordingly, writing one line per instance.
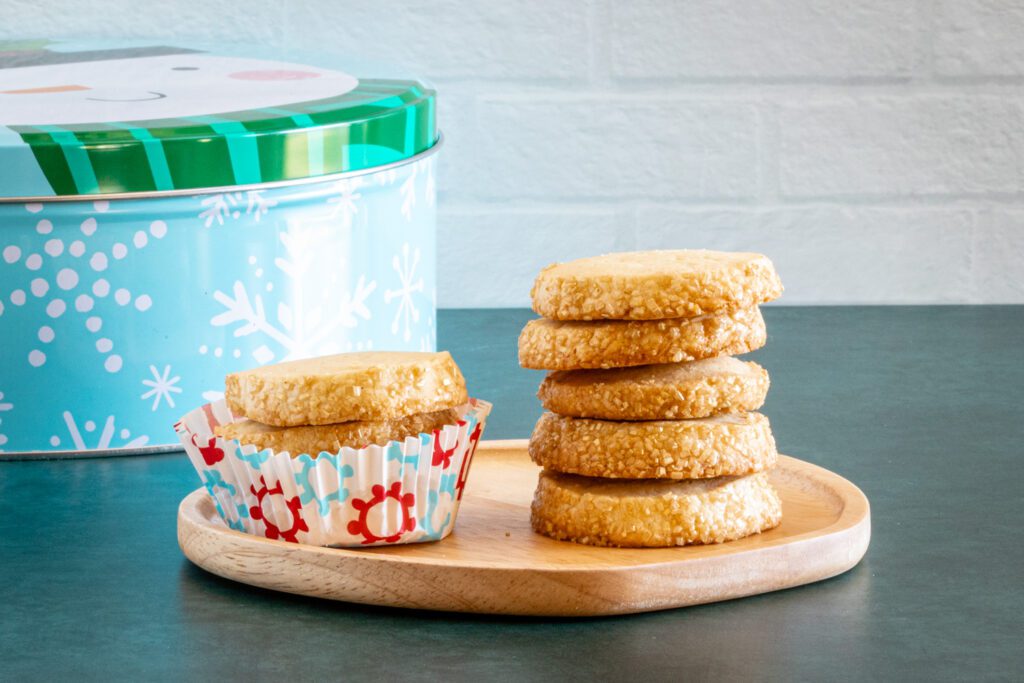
(430, 189)
(4, 407)
(257, 205)
(249, 312)
(387, 177)
(408, 189)
(345, 200)
(161, 386)
(79, 289)
(408, 192)
(407, 312)
(301, 329)
(354, 303)
(105, 440)
(230, 205)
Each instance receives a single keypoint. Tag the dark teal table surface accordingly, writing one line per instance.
(920, 407)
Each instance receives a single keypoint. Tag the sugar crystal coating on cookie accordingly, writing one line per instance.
(654, 449)
(331, 438)
(653, 513)
(654, 285)
(349, 386)
(572, 345)
(667, 391)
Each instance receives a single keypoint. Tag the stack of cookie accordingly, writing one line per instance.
(651, 440)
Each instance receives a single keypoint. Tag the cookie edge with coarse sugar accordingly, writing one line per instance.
(569, 345)
(571, 508)
(748, 280)
(605, 395)
(379, 393)
(315, 439)
(657, 449)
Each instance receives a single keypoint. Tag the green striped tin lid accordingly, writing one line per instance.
(80, 119)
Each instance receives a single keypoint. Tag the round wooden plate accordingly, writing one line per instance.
(494, 563)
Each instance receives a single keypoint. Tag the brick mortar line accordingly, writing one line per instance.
(951, 83)
(586, 206)
(744, 96)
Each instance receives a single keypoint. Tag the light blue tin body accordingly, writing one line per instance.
(117, 316)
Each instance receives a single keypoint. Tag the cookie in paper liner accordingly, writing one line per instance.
(399, 492)
(315, 439)
(368, 385)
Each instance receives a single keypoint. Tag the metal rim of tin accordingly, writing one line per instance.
(192, 192)
(96, 453)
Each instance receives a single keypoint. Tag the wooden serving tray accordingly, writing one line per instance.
(494, 563)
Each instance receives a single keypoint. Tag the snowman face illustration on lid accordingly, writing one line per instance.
(140, 88)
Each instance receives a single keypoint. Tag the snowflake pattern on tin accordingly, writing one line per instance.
(344, 204)
(233, 205)
(109, 436)
(406, 313)
(131, 297)
(423, 168)
(79, 287)
(161, 386)
(5, 406)
(301, 328)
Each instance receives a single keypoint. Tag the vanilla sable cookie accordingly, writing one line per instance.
(643, 514)
(652, 285)
(573, 345)
(317, 439)
(669, 391)
(374, 385)
(654, 449)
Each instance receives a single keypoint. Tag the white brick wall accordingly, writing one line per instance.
(899, 147)
(874, 149)
(777, 39)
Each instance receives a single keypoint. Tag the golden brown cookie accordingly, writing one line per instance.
(374, 385)
(653, 285)
(655, 449)
(314, 440)
(647, 514)
(569, 345)
(669, 391)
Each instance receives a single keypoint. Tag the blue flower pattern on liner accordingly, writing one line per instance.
(256, 459)
(395, 454)
(236, 524)
(447, 484)
(307, 494)
(212, 479)
(427, 523)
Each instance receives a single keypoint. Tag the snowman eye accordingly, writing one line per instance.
(184, 68)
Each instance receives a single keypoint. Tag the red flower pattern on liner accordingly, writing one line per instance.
(360, 527)
(294, 506)
(443, 456)
(474, 440)
(210, 452)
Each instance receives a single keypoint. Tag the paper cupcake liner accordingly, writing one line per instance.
(401, 492)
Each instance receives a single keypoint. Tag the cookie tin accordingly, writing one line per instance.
(169, 215)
